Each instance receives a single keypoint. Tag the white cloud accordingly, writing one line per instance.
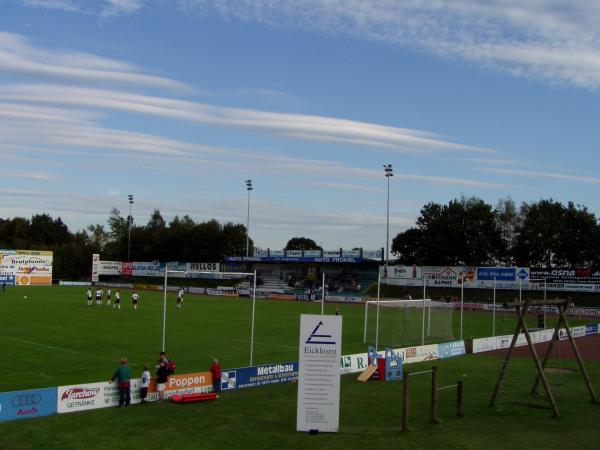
(40, 176)
(552, 175)
(552, 41)
(17, 55)
(298, 126)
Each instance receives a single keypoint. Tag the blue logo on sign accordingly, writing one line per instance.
(27, 404)
(522, 274)
(315, 338)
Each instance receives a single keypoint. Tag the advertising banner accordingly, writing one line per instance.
(403, 272)
(451, 349)
(443, 276)
(7, 279)
(246, 377)
(127, 269)
(312, 253)
(95, 267)
(319, 373)
(147, 269)
(27, 266)
(27, 404)
(331, 254)
(419, 353)
(187, 383)
(82, 397)
(293, 253)
(354, 363)
(372, 254)
(110, 268)
(203, 267)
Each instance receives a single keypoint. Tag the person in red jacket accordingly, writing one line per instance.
(215, 370)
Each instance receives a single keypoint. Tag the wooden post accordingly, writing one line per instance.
(504, 365)
(536, 360)
(555, 337)
(434, 395)
(459, 399)
(561, 311)
(405, 402)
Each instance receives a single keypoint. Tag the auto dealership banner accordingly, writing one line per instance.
(26, 267)
(27, 404)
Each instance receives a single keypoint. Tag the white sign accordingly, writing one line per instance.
(81, 397)
(95, 268)
(109, 268)
(319, 373)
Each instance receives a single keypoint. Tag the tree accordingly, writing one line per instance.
(302, 243)
(508, 221)
(407, 246)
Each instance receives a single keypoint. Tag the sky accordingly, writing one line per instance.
(178, 102)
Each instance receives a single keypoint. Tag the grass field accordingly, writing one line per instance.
(52, 338)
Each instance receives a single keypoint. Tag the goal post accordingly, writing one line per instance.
(224, 275)
(398, 323)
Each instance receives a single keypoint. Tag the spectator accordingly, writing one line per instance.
(215, 370)
(162, 375)
(338, 312)
(123, 377)
(145, 383)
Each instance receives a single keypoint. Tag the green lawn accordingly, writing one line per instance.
(52, 338)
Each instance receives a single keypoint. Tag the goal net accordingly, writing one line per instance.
(405, 323)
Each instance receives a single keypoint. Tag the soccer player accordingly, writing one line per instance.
(179, 297)
(135, 298)
(117, 300)
(89, 297)
(98, 296)
(107, 296)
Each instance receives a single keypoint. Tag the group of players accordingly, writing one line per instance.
(117, 304)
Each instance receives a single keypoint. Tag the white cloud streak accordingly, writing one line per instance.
(298, 126)
(551, 175)
(17, 55)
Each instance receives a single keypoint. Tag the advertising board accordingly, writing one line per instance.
(28, 267)
(27, 404)
(110, 268)
(83, 397)
(320, 347)
(246, 377)
(187, 383)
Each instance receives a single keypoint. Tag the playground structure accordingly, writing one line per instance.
(521, 308)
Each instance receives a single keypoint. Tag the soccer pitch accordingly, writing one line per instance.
(53, 338)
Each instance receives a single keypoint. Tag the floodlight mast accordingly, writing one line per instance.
(248, 188)
(130, 198)
(389, 172)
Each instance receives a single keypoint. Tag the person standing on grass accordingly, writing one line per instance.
(179, 297)
(215, 370)
(117, 303)
(89, 297)
(123, 377)
(134, 299)
(145, 383)
(107, 296)
(98, 296)
(162, 375)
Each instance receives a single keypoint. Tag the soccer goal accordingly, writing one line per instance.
(179, 275)
(403, 323)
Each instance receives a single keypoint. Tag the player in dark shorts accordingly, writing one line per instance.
(134, 298)
(179, 297)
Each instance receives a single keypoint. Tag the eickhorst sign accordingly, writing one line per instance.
(319, 373)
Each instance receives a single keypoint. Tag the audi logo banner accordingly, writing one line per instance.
(26, 404)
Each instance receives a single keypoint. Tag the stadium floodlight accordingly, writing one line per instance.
(248, 188)
(130, 198)
(222, 275)
(389, 172)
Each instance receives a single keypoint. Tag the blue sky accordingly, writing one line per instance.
(178, 102)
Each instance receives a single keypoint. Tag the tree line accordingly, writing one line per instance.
(468, 231)
(182, 239)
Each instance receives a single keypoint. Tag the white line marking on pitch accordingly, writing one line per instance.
(52, 347)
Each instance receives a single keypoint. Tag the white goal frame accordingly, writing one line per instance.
(224, 275)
